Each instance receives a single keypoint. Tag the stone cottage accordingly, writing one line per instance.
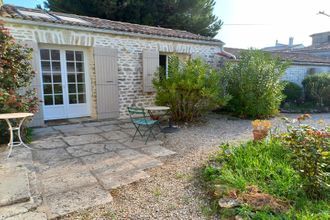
(91, 67)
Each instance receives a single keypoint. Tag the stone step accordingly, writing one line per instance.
(14, 185)
(63, 203)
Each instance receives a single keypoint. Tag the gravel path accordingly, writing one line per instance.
(173, 190)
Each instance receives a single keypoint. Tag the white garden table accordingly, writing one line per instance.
(21, 117)
(170, 128)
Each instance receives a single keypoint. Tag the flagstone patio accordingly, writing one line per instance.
(73, 167)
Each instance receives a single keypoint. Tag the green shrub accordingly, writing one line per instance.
(191, 89)
(292, 91)
(254, 84)
(311, 156)
(317, 88)
(15, 77)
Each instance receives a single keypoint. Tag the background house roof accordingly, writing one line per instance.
(16, 12)
(295, 57)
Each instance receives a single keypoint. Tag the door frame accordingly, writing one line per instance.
(65, 93)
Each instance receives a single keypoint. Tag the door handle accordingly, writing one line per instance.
(109, 81)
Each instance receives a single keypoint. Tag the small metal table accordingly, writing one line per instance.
(21, 117)
(170, 128)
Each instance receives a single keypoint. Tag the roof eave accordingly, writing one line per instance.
(107, 31)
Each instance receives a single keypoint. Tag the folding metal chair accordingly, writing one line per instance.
(139, 118)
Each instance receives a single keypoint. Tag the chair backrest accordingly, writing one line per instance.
(135, 112)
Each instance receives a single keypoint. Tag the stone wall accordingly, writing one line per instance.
(297, 73)
(129, 56)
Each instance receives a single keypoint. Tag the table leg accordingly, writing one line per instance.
(11, 139)
(19, 134)
(11, 129)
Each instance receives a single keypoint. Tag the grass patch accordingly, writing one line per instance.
(266, 167)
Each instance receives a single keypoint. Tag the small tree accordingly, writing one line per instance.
(254, 84)
(191, 88)
(16, 75)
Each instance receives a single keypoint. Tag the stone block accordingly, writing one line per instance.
(29, 216)
(157, 151)
(83, 139)
(66, 181)
(86, 149)
(115, 135)
(75, 200)
(48, 144)
(50, 156)
(114, 180)
(14, 186)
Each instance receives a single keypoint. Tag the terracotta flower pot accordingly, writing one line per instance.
(259, 134)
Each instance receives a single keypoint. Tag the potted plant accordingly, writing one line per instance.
(260, 129)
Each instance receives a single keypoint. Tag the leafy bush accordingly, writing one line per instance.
(292, 91)
(191, 89)
(311, 156)
(254, 84)
(15, 77)
(317, 88)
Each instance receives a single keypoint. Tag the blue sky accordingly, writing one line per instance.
(259, 23)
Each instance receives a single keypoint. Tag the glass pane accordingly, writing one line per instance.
(81, 88)
(57, 88)
(79, 67)
(81, 98)
(55, 54)
(58, 100)
(48, 99)
(56, 66)
(69, 55)
(80, 77)
(70, 67)
(45, 65)
(44, 54)
(71, 77)
(46, 78)
(72, 88)
(57, 77)
(79, 56)
(72, 99)
(48, 89)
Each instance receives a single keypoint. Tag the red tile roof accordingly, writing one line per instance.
(15, 12)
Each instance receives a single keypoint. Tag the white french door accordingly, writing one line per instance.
(64, 82)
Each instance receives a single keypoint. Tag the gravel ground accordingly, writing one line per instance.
(173, 191)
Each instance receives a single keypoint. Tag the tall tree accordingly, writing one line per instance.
(195, 16)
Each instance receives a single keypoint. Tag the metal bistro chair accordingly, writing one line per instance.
(139, 118)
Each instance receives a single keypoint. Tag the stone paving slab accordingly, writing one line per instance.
(81, 131)
(109, 128)
(45, 133)
(96, 161)
(115, 180)
(86, 149)
(60, 167)
(14, 186)
(50, 156)
(115, 135)
(140, 143)
(157, 151)
(46, 144)
(75, 200)
(114, 146)
(83, 139)
(67, 181)
(70, 127)
(29, 216)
